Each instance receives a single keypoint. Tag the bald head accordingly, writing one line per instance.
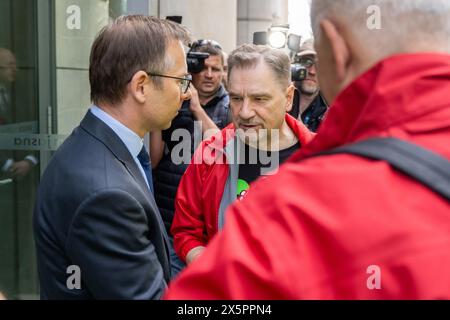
(7, 66)
(406, 25)
(353, 35)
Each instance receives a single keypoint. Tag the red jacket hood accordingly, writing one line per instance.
(355, 113)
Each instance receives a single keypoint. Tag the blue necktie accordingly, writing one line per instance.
(144, 159)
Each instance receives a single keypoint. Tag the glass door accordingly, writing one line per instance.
(19, 155)
(44, 94)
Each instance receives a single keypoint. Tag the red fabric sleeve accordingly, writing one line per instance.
(188, 226)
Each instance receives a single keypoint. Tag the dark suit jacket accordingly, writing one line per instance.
(94, 210)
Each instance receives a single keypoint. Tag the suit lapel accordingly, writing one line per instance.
(109, 138)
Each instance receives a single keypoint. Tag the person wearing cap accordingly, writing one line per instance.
(309, 105)
(208, 106)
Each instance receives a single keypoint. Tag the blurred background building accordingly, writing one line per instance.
(50, 41)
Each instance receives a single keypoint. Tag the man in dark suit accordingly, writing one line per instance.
(98, 232)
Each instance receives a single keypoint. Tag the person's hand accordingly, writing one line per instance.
(194, 104)
(20, 168)
(194, 254)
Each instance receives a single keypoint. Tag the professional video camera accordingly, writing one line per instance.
(196, 61)
(298, 72)
(278, 37)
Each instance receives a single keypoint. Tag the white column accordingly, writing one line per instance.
(77, 23)
(206, 19)
(259, 15)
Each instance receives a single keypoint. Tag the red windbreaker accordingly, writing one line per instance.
(201, 190)
(321, 226)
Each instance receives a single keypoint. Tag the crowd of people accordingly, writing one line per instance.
(282, 190)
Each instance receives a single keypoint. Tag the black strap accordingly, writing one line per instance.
(426, 167)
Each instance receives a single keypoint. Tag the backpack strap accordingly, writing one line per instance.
(420, 164)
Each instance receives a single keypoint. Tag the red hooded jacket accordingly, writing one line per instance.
(354, 228)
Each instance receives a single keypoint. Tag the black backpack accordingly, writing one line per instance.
(420, 164)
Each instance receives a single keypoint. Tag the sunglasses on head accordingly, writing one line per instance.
(205, 42)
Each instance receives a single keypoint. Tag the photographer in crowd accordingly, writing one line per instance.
(208, 106)
(309, 106)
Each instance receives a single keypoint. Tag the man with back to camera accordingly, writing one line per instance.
(95, 211)
(207, 106)
(309, 106)
(355, 227)
(260, 139)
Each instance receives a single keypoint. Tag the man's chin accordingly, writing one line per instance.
(208, 90)
(309, 90)
(249, 134)
(167, 125)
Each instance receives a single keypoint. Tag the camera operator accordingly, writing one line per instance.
(209, 104)
(309, 105)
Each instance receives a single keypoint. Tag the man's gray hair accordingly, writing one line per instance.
(247, 56)
(406, 25)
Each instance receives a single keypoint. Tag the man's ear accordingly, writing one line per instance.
(290, 97)
(338, 46)
(137, 86)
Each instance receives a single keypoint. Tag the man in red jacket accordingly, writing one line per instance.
(224, 166)
(342, 226)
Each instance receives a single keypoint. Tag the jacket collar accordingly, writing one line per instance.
(220, 94)
(99, 130)
(318, 105)
(225, 136)
(393, 92)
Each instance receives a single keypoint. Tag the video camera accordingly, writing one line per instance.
(196, 61)
(298, 72)
(278, 37)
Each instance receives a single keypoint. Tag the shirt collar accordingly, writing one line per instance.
(131, 140)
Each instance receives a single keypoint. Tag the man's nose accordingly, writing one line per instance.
(246, 111)
(208, 73)
(313, 69)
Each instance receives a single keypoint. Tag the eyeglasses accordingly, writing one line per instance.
(307, 62)
(184, 82)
